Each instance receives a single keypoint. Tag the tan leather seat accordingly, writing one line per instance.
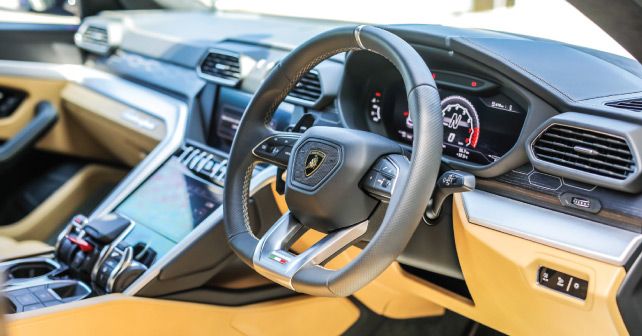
(11, 249)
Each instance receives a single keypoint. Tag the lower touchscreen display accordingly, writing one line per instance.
(171, 202)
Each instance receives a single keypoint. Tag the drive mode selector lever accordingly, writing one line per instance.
(450, 182)
(118, 270)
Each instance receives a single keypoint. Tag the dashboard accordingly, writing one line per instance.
(497, 98)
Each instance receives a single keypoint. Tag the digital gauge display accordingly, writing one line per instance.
(478, 129)
(461, 125)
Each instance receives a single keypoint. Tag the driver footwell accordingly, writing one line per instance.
(450, 323)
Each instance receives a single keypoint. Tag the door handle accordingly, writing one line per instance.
(44, 118)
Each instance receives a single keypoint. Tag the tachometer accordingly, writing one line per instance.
(461, 122)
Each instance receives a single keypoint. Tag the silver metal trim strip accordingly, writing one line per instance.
(555, 229)
(357, 36)
(26, 282)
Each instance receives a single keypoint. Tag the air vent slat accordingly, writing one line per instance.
(631, 104)
(585, 167)
(308, 88)
(576, 157)
(585, 150)
(576, 141)
(592, 136)
(96, 35)
(553, 144)
(222, 66)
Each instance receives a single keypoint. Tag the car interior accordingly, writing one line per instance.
(207, 172)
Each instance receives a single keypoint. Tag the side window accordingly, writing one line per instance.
(36, 11)
(39, 30)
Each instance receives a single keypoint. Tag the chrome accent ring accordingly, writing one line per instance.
(357, 36)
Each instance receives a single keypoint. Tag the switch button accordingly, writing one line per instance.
(562, 282)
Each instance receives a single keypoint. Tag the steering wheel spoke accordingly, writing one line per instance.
(380, 181)
(273, 259)
(276, 148)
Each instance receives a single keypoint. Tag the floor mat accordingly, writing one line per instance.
(370, 323)
(32, 181)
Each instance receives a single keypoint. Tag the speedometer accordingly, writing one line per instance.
(461, 122)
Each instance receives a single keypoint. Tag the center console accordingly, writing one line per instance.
(107, 254)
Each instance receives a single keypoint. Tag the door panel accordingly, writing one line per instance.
(65, 137)
(90, 128)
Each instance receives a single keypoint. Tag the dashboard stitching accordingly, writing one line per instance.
(479, 46)
(610, 95)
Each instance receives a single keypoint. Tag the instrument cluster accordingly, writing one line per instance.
(481, 123)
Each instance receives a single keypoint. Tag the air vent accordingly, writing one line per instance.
(98, 36)
(585, 150)
(222, 67)
(308, 88)
(631, 104)
(95, 35)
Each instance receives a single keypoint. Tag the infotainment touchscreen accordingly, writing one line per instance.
(171, 202)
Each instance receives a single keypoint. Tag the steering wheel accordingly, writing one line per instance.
(336, 177)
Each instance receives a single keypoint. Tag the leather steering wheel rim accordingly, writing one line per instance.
(413, 190)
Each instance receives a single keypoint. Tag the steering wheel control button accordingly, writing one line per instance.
(386, 167)
(582, 203)
(368, 182)
(380, 179)
(284, 155)
(562, 282)
(276, 149)
(383, 184)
